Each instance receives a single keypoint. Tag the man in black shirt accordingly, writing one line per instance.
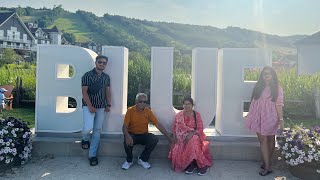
(95, 103)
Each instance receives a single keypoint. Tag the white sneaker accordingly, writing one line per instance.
(145, 165)
(126, 165)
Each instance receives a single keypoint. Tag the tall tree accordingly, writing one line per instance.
(8, 56)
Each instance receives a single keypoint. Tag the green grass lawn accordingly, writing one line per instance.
(72, 23)
(306, 122)
(26, 114)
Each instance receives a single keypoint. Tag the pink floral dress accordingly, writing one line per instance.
(262, 116)
(181, 154)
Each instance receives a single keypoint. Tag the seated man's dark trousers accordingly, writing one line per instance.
(148, 139)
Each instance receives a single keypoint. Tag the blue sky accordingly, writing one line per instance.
(280, 17)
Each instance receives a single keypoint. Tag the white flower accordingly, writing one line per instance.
(16, 129)
(6, 151)
(9, 123)
(301, 161)
(7, 161)
(24, 136)
(22, 162)
(316, 158)
(10, 140)
(318, 170)
(310, 145)
(313, 150)
(14, 135)
(10, 150)
(26, 148)
(1, 140)
(1, 132)
(310, 157)
(292, 150)
(310, 152)
(8, 143)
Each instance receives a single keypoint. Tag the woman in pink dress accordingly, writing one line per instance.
(191, 151)
(265, 115)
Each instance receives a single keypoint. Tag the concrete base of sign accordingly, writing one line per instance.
(222, 147)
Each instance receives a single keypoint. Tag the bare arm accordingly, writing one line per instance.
(108, 98)
(163, 130)
(86, 98)
(280, 115)
(127, 136)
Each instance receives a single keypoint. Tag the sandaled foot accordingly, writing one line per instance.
(93, 161)
(265, 172)
(85, 144)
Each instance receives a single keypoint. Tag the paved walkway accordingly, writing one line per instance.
(109, 168)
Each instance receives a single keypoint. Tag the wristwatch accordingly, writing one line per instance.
(108, 105)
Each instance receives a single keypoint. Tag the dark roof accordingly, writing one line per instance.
(313, 39)
(4, 16)
(86, 44)
(33, 30)
(55, 29)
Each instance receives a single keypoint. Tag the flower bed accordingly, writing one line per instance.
(15, 142)
(300, 146)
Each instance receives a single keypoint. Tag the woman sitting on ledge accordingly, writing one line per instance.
(191, 152)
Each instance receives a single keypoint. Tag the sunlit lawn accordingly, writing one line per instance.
(26, 114)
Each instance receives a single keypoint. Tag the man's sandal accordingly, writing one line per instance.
(265, 172)
(85, 144)
(93, 161)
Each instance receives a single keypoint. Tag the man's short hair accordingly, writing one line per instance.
(141, 94)
(101, 57)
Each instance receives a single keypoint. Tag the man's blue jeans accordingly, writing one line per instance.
(92, 122)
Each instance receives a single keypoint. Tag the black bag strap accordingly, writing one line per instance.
(195, 119)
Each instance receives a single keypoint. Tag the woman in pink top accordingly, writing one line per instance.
(191, 152)
(265, 114)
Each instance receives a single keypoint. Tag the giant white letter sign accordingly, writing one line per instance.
(54, 86)
(204, 70)
(233, 91)
(117, 69)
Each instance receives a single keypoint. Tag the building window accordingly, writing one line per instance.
(1, 33)
(25, 37)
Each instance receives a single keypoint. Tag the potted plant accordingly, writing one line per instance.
(15, 142)
(300, 149)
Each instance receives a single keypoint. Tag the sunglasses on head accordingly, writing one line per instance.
(142, 101)
(102, 62)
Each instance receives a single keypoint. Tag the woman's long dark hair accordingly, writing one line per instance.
(260, 85)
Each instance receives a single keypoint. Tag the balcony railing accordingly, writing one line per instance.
(16, 47)
(15, 40)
